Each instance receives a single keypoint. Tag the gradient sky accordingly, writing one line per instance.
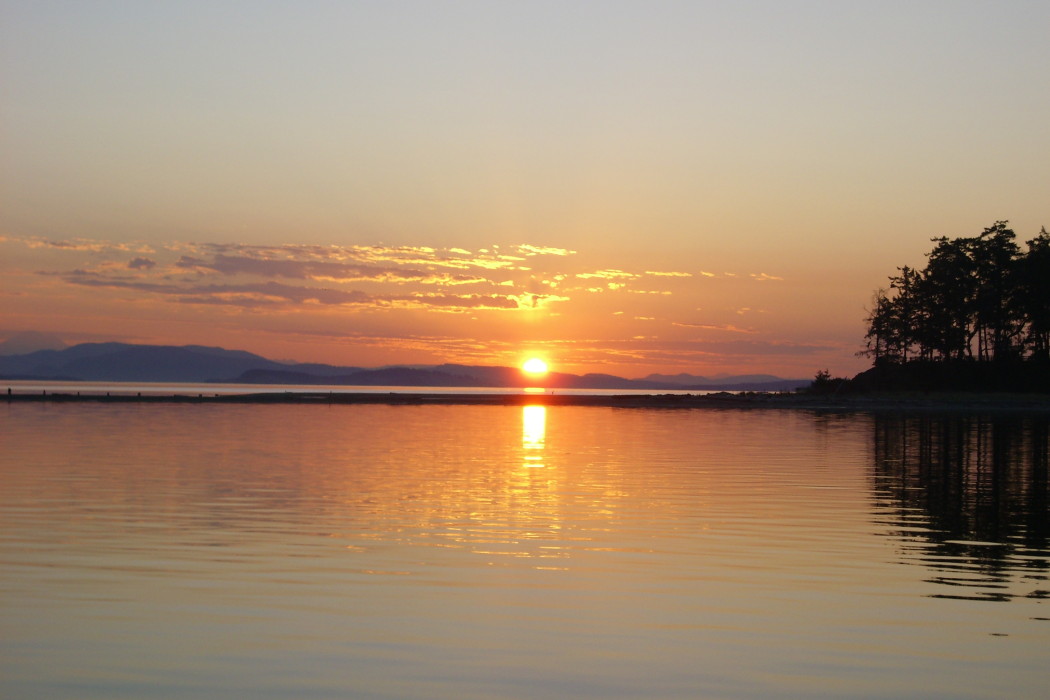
(623, 187)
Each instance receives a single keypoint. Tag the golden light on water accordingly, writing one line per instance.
(533, 434)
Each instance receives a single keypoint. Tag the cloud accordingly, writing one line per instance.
(462, 302)
(266, 293)
(80, 245)
(271, 293)
(763, 277)
(530, 250)
(538, 301)
(75, 244)
(713, 327)
(396, 284)
(607, 275)
(455, 258)
(356, 258)
(301, 269)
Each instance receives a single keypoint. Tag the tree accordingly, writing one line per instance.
(879, 338)
(998, 316)
(947, 290)
(1033, 282)
(979, 298)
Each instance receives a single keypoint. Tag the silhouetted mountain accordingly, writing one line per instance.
(199, 364)
(122, 362)
(30, 341)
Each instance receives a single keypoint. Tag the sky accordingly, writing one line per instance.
(619, 187)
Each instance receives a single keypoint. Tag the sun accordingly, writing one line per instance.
(534, 365)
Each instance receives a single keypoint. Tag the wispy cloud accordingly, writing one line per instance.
(313, 270)
(82, 245)
(526, 249)
(714, 327)
(418, 290)
(608, 275)
(266, 293)
(458, 302)
(276, 294)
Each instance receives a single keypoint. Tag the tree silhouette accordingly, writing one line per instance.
(979, 300)
(1033, 284)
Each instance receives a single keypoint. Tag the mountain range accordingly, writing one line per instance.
(123, 362)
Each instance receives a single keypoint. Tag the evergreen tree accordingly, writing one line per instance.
(980, 298)
(1033, 282)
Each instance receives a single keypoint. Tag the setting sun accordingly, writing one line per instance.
(534, 365)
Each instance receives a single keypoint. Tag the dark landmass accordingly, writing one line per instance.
(1025, 376)
(122, 362)
(876, 402)
(1031, 376)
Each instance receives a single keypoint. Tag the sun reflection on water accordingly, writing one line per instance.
(533, 435)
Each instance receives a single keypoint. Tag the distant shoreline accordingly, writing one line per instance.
(889, 402)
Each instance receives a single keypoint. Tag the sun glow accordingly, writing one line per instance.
(534, 366)
(533, 435)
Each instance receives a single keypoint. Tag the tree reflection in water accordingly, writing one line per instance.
(967, 497)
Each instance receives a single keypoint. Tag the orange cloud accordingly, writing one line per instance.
(607, 275)
(530, 250)
(408, 290)
(713, 327)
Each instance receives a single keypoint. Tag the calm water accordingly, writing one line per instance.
(205, 551)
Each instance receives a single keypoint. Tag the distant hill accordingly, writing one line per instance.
(199, 364)
(30, 341)
(122, 362)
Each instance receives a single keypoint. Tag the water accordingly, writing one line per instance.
(207, 551)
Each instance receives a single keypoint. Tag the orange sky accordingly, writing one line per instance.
(624, 187)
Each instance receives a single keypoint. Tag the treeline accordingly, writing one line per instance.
(978, 300)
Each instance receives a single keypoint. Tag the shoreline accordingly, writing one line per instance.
(1026, 403)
